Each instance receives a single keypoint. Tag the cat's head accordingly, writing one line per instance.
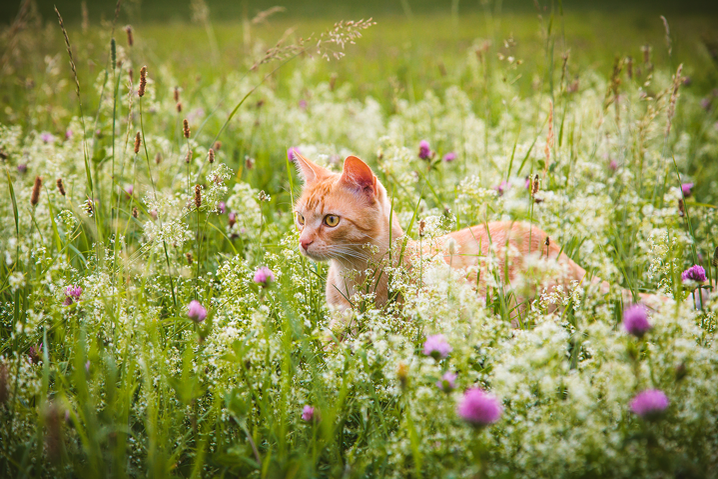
(340, 214)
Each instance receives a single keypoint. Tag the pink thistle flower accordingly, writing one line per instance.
(649, 404)
(686, 189)
(635, 320)
(263, 276)
(309, 414)
(479, 408)
(424, 150)
(196, 312)
(437, 347)
(695, 273)
(291, 151)
(447, 383)
(449, 157)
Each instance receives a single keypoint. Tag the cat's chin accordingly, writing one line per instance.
(313, 256)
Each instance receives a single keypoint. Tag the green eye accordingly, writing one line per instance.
(331, 220)
(300, 219)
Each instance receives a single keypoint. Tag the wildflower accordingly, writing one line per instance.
(143, 82)
(635, 320)
(503, 186)
(479, 408)
(60, 187)
(309, 414)
(613, 165)
(68, 134)
(649, 404)
(231, 218)
(129, 189)
(686, 189)
(185, 128)
(222, 207)
(695, 273)
(210, 155)
(303, 104)
(291, 152)
(35, 198)
(263, 276)
(424, 150)
(21, 168)
(437, 347)
(447, 383)
(196, 312)
(535, 185)
(47, 137)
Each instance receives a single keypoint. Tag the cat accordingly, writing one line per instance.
(346, 219)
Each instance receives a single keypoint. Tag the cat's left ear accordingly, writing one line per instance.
(358, 175)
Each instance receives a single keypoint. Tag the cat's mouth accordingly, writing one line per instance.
(312, 254)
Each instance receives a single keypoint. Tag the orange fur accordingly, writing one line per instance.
(363, 235)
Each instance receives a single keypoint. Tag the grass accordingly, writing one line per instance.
(119, 381)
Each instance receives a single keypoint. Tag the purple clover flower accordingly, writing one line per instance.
(291, 151)
(613, 165)
(502, 187)
(129, 189)
(68, 134)
(649, 403)
(479, 408)
(72, 294)
(222, 207)
(694, 273)
(196, 311)
(47, 137)
(437, 347)
(424, 150)
(309, 414)
(303, 104)
(447, 383)
(635, 320)
(449, 157)
(263, 276)
(21, 168)
(686, 189)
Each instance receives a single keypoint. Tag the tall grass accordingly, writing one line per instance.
(119, 380)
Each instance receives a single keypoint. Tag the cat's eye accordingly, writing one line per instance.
(300, 218)
(331, 220)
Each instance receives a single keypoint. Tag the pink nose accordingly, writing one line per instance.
(305, 243)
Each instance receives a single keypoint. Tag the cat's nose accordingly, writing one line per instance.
(305, 243)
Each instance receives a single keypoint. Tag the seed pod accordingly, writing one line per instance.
(179, 107)
(138, 142)
(189, 258)
(143, 82)
(176, 94)
(547, 242)
(185, 128)
(211, 156)
(60, 187)
(35, 198)
(135, 212)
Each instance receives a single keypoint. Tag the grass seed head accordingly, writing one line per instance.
(60, 187)
(188, 158)
(135, 212)
(681, 208)
(138, 142)
(176, 94)
(35, 198)
(189, 258)
(185, 128)
(143, 82)
(217, 145)
(130, 37)
(535, 186)
(179, 107)
(197, 196)
(211, 156)
(158, 158)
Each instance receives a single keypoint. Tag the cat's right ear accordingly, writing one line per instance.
(308, 170)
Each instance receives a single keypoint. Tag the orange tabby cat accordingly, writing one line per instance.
(346, 219)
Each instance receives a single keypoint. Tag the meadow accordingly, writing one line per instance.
(147, 188)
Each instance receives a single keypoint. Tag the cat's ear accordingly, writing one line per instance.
(308, 170)
(358, 175)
